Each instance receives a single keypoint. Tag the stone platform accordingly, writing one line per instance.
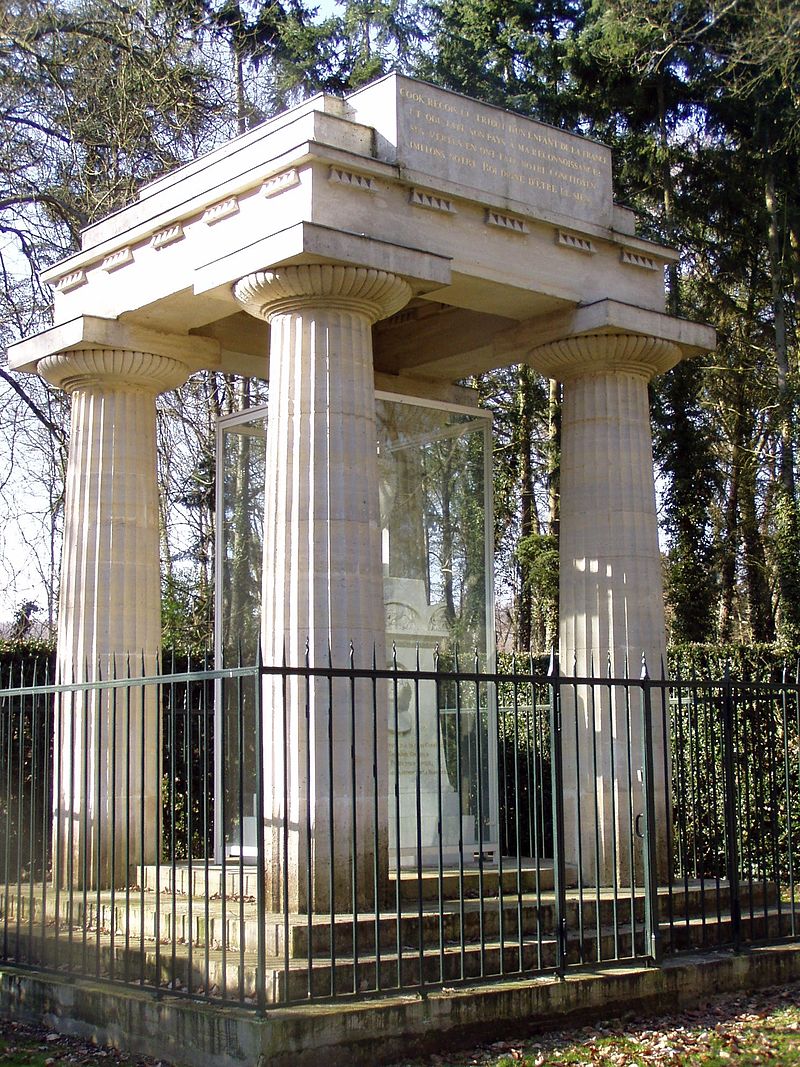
(196, 929)
(380, 1030)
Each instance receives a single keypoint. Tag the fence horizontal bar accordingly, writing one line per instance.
(130, 682)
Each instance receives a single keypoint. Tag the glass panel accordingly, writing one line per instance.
(241, 530)
(431, 468)
(240, 525)
(435, 512)
(432, 465)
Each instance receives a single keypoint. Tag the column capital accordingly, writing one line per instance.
(113, 368)
(375, 294)
(604, 353)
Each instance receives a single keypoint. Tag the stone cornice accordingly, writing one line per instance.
(308, 242)
(375, 294)
(311, 151)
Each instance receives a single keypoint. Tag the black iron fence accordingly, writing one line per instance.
(265, 835)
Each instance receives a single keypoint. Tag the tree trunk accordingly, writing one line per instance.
(553, 453)
(447, 545)
(762, 622)
(668, 193)
(241, 102)
(786, 469)
(728, 548)
(553, 495)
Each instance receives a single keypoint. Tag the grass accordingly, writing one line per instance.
(23, 1045)
(774, 1040)
(18, 1054)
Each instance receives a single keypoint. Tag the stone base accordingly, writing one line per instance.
(378, 1031)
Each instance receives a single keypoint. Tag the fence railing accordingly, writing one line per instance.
(265, 835)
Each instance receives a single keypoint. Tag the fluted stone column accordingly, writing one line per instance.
(106, 762)
(323, 582)
(610, 589)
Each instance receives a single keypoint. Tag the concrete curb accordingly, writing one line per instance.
(376, 1031)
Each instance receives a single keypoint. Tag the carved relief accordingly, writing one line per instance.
(637, 259)
(116, 260)
(511, 223)
(574, 241)
(351, 178)
(223, 210)
(68, 282)
(431, 201)
(167, 236)
(279, 182)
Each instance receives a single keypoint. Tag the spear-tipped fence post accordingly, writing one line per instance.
(731, 823)
(559, 873)
(650, 845)
(261, 872)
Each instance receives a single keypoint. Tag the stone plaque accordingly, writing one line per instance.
(488, 150)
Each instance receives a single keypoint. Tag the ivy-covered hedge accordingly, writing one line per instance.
(763, 662)
(26, 661)
(758, 662)
(764, 724)
(30, 661)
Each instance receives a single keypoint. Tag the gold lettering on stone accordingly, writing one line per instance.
(466, 136)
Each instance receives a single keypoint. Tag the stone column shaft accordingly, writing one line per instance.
(106, 771)
(323, 583)
(610, 585)
(610, 590)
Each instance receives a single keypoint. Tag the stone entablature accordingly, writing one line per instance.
(343, 181)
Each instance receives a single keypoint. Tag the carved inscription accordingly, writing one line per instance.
(407, 758)
(485, 147)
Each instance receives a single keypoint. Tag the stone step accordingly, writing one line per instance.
(235, 880)
(240, 882)
(233, 976)
(234, 925)
(183, 919)
(529, 876)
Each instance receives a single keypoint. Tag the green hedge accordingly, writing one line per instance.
(757, 662)
(26, 661)
(30, 661)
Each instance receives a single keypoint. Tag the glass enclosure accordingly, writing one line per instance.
(436, 516)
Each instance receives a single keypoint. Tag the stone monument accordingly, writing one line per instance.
(402, 238)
